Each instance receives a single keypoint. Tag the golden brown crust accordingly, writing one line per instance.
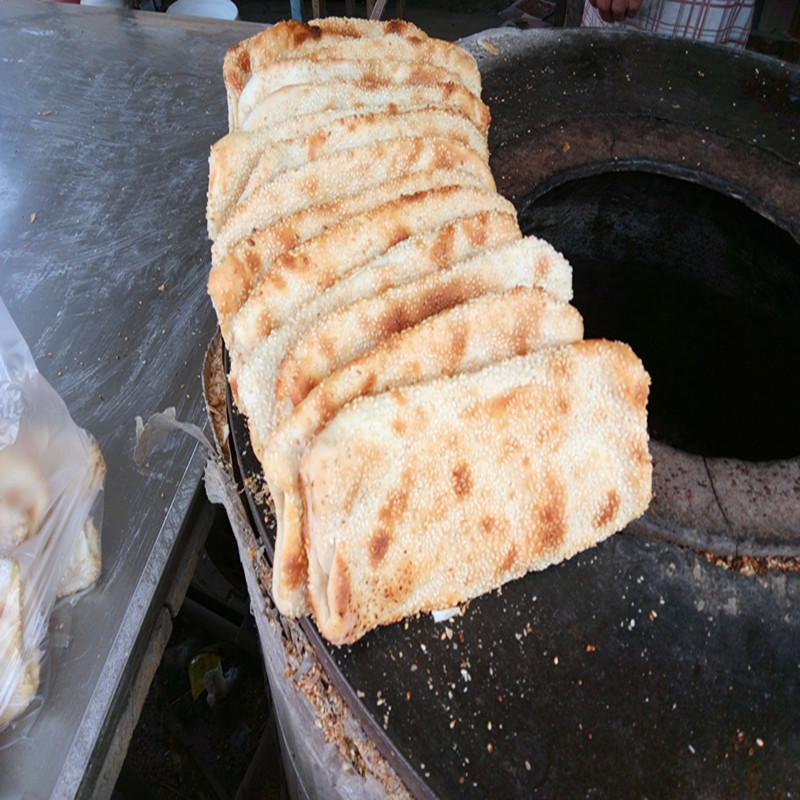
(233, 277)
(333, 36)
(295, 39)
(378, 74)
(429, 423)
(284, 104)
(422, 254)
(345, 174)
(239, 163)
(297, 276)
(499, 495)
(491, 327)
(357, 328)
(332, 39)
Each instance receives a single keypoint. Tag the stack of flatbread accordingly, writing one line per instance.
(429, 419)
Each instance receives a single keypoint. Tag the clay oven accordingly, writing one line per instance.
(677, 200)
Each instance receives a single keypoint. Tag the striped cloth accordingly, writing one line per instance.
(722, 21)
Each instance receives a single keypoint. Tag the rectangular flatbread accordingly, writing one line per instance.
(299, 275)
(255, 376)
(336, 38)
(316, 98)
(343, 174)
(368, 72)
(468, 337)
(240, 162)
(315, 350)
(233, 278)
(333, 37)
(426, 496)
(360, 326)
(429, 422)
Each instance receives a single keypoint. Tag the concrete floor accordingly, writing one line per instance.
(186, 745)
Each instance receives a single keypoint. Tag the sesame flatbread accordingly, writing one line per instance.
(375, 72)
(317, 98)
(344, 174)
(239, 162)
(479, 332)
(233, 277)
(333, 38)
(342, 336)
(253, 378)
(429, 422)
(299, 275)
(425, 496)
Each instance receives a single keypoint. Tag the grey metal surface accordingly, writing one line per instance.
(106, 118)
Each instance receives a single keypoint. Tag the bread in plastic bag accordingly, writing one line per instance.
(51, 479)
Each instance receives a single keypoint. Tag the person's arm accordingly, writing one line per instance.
(616, 10)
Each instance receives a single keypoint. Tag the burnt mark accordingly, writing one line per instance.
(275, 279)
(640, 455)
(238, 70)
(291, 382)
(499, 407)
(389, 516)
(398, 27)
(510, 559)
(404, 315)
(378, 545)
(400, 586)
(442, 250)
(608, 510)
(315, 143)
(297, 263)
(400, 426)
(342, 593)
(368, 384)
(265, 324)
(288, 238)
(488, 524)
(462, 481)
(478, 230)
(446, 297)
(294, 571)
(549, 516)
(252, 259)
(327, 406)
(302, 32)
(394, 320)
(526, 330)
(394, 508)
(399, 234)
(459, 339)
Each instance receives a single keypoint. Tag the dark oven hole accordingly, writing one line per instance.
(704, 289)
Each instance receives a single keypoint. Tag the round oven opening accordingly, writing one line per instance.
(705, 290)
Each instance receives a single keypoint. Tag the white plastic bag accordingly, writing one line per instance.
(51, 479)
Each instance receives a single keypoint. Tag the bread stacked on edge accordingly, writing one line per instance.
(429, 420)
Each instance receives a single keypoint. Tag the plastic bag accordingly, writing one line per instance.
(51, 479)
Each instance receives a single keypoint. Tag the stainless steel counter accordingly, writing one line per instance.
(105, 123)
